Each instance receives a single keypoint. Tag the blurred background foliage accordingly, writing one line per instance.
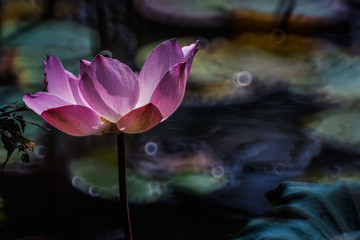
(272, 102)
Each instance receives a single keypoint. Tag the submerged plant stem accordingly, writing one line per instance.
(122, 187)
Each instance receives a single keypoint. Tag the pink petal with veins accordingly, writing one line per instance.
(83, 66)
(189, 53)
(170, 92)
(56, 79)
(140, 119)
(74, 120)
(158, 63)
(42, 101)
(75, 89)
(109, 87)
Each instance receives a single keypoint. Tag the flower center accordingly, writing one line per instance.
(103, 120)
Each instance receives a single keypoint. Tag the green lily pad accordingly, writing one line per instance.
(198, 183)
(339, 128)
(268, 62)
(340, 69)
(330, 173)
(252, 65)
(187, 13)
(96, 174)
(67, 40)
(306, 16)
(309, 211)
(248, 66)
(305, 8)
(215, 13)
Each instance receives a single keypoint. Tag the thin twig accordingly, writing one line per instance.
(18, 109)
(38, 125)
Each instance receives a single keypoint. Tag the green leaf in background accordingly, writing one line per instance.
(308, 211)
(340, 69)
(338, 128)
(215, 13)
(252, 65)
(67, 40)
(198, 183)
(96, 174)
(248, 66)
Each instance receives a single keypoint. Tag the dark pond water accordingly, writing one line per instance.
(252, 146)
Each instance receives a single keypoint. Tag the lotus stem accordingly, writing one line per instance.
(122, 187)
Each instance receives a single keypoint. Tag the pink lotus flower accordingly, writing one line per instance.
(108, 97)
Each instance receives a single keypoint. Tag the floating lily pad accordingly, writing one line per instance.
(187, 13)
(306, 16)
(269, 63)
(96, 175)
(215, 13)
(332, 172)
(252, 65)
(69, 41)
(309, 211)
(306, 8)
(198, 183)
(248, 66)
(340, 69)
(339, 128)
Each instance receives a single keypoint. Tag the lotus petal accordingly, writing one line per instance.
(169, 93)
(74, 120)
(109, 87)
(83, 66)
(43, 101)
(189, 53)
(56, 79)
(74, 85)
(160, 60)
(140, 119)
